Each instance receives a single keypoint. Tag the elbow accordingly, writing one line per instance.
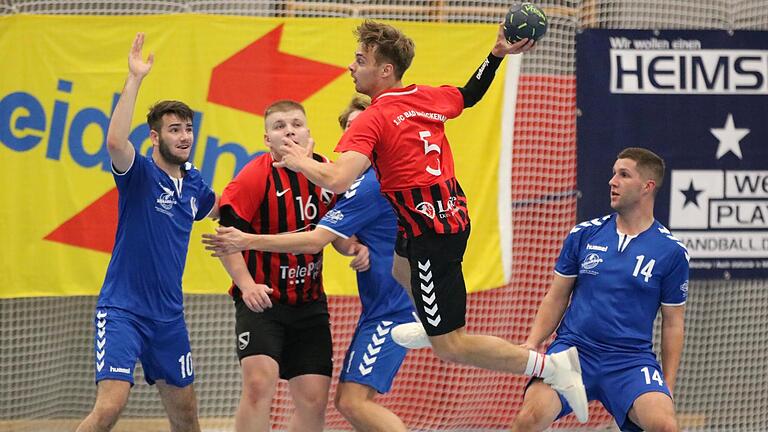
(470, 102)
(339, 186)
(113, 143)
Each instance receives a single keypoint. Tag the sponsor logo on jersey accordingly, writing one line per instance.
(427, 209)
(684, 289)
(298, 273)
(243, 339)
(334, 216)
(447, 210)
(166, 200)
(597, 248)
(591, 261)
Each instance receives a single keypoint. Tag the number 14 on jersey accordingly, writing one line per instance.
(647, 270)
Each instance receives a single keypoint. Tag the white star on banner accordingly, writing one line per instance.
(729, 137)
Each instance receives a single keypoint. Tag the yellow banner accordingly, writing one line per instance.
(59, 82)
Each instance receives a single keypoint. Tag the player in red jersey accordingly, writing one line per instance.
(281, 321)
(402, 134)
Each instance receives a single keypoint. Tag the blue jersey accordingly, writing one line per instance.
(364, 212)
(155, 215)
(621, 281)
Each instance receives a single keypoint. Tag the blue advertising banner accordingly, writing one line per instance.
(700, 100)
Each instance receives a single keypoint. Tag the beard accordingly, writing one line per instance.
(167, 154)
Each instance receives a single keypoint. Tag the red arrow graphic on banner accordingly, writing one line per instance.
(94, 227)
(250, 80)
(259, 74)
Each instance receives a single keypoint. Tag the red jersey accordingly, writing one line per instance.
(403, 134)
(278, 200)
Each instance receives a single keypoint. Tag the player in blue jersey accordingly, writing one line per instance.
(373, 359)
(139, 314)
(617, 271)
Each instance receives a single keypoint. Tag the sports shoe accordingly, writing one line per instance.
(566, 380)
(411, 335)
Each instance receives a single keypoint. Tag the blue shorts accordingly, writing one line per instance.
(373, 358)
(616, 379)
(163, 348)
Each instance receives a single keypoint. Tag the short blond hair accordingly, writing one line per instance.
(283, 105)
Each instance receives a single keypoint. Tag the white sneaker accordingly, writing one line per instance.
(411, 335)
(567, 381)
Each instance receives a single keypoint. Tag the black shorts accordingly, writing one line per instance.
(297, 337)
(437, 281)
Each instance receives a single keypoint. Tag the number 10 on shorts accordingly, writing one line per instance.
(648, 377)
(185, 362)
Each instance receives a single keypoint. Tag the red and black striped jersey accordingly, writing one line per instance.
(273, 201)
(403, 134)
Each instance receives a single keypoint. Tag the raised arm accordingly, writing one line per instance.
(672, 332)
(550, 311)
(336, 177)
(481, 79)
(121, 151)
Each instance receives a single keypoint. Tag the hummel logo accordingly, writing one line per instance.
(599, 248)
(283, 192)
(427, 286)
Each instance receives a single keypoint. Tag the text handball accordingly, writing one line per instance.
(525, 21)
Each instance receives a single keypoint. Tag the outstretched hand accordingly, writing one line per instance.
(226, 241)
(136, 64)
(503, 47)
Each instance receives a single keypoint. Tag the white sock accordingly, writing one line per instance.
(539, 365)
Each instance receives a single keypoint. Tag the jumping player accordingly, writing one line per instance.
(402, 134)
(139, 314)
(372, 359)
(616, 272)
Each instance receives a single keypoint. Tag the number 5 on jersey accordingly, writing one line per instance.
(428, 148)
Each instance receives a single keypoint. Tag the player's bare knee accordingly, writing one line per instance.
(530, 419)
(108, 409)
(449, 347)
(256, 389)
(348, 406)
(184, 418)
(313, 402)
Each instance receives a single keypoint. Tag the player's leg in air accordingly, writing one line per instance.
(434, 269)
(542, 405)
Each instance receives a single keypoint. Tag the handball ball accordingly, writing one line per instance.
(524, 21)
